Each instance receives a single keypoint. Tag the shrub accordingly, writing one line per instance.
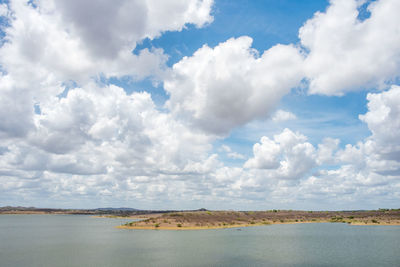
(157, 225)
(336, 219)
(179, 225)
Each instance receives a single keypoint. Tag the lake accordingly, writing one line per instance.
(75, 240)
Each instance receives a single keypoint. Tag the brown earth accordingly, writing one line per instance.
(229, 219)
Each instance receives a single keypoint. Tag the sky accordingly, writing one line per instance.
(217, 104)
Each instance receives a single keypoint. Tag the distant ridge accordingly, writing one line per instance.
(123, 211)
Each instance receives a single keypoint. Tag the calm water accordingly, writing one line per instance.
(68, 240)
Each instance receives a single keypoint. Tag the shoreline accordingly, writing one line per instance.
(214, 227)
(235, 219)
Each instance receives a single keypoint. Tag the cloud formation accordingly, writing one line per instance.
(106, 28)
(288, 156)
(347, 53)
(51, 43)
(67, 135)
(220, 88)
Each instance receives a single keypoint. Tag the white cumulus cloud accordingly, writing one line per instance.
(49, 43)
(229, 85)
(287, 156)
(346, 53)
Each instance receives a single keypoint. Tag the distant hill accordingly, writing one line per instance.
(123, 211)
(116, 209)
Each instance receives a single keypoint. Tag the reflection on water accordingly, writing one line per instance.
(73, 240)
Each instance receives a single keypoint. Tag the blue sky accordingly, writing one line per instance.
(268, 23)
(217, 104)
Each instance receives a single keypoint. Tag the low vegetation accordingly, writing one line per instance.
(227, 219)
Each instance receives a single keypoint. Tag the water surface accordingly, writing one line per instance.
(75, 240)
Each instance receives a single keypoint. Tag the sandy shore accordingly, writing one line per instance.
(187, 227)
(380, 223)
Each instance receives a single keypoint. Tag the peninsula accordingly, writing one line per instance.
(230, 219)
